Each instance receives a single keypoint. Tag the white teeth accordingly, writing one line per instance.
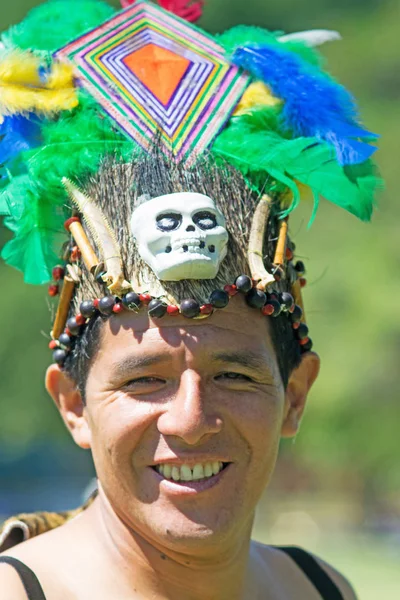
(186, 473)
(215, 468)
(208, 471)
(198, 471)
(176, 475)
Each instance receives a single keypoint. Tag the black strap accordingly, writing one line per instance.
(315, 573)
(27, 576)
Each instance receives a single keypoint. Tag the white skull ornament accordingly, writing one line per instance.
(180, 236)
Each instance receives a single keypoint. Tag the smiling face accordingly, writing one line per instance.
(175, 400)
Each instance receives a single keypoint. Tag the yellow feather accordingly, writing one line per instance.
(61, 76)
(19, 67)
(256, 95)
(16, 99)
(22, 90)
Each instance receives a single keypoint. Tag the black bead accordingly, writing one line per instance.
(307, 346)
(65, 340)
(106, 305)
(99, 277)
(296, 314)
(59, 356)
(302, 331)
(87, 309)
(300, 267)
(256, 298)
(131, 300)
(190, 308)
(276, 305)
(219, 298)
(244, 283)
(73, 326)
(287, 300)
(157, 308)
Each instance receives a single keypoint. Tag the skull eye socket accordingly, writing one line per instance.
(205, 220)
(168, 221)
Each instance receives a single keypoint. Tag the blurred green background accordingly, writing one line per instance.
(336, 490)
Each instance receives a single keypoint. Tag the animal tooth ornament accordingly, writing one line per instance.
(150, 166)
(180, 236)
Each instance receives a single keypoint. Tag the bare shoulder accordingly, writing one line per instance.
(41, 554)
(276, 560)
(11, 587)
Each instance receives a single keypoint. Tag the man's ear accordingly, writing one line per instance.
(299, 385)
(69, 402)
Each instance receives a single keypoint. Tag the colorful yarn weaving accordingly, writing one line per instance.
(155, 74)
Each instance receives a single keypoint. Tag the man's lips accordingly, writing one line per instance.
(194, 486)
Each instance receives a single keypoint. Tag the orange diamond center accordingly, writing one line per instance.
(158, 68)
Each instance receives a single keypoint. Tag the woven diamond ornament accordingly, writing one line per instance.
(156, 74)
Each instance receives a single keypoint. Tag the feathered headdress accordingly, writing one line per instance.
(78, 86)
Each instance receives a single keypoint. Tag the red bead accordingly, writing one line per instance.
(118, 308)
(231, 289)
(80, 319)
(304, 341)
(296, 325)
(67, 331)
(75, 254)
(96, 303)
(289, 254)
(53, 290)
(268, 309)
(145, 298)
(58, 273)
(53, 345)
(68, 222)
(303, 282)
(172, 310)
(206, 309)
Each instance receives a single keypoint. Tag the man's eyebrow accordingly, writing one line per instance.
(126, 366)
(246, 358)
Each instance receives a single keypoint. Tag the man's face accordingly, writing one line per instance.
(185, 392)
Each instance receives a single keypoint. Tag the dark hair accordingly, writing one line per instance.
(119, 187)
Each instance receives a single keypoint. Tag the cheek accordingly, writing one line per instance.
(258, 419)
(118, 426)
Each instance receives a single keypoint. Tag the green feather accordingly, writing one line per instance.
(262, 155)
(74, 146)
(247, 35)
(53, 24)
(38, 238)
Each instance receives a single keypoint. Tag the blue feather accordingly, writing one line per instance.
(18, 134)
(314, 104)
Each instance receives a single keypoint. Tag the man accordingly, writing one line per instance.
(179, 396)
(181, 353)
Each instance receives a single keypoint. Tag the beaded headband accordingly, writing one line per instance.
(238, 128)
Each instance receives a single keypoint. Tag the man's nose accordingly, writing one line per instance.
(189, 414)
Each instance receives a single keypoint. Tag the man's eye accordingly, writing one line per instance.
(143, 381)
(229, 375)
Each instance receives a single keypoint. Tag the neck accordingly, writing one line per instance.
(158, 572)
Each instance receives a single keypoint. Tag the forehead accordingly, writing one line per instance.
(238, 328)
(187, 201)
